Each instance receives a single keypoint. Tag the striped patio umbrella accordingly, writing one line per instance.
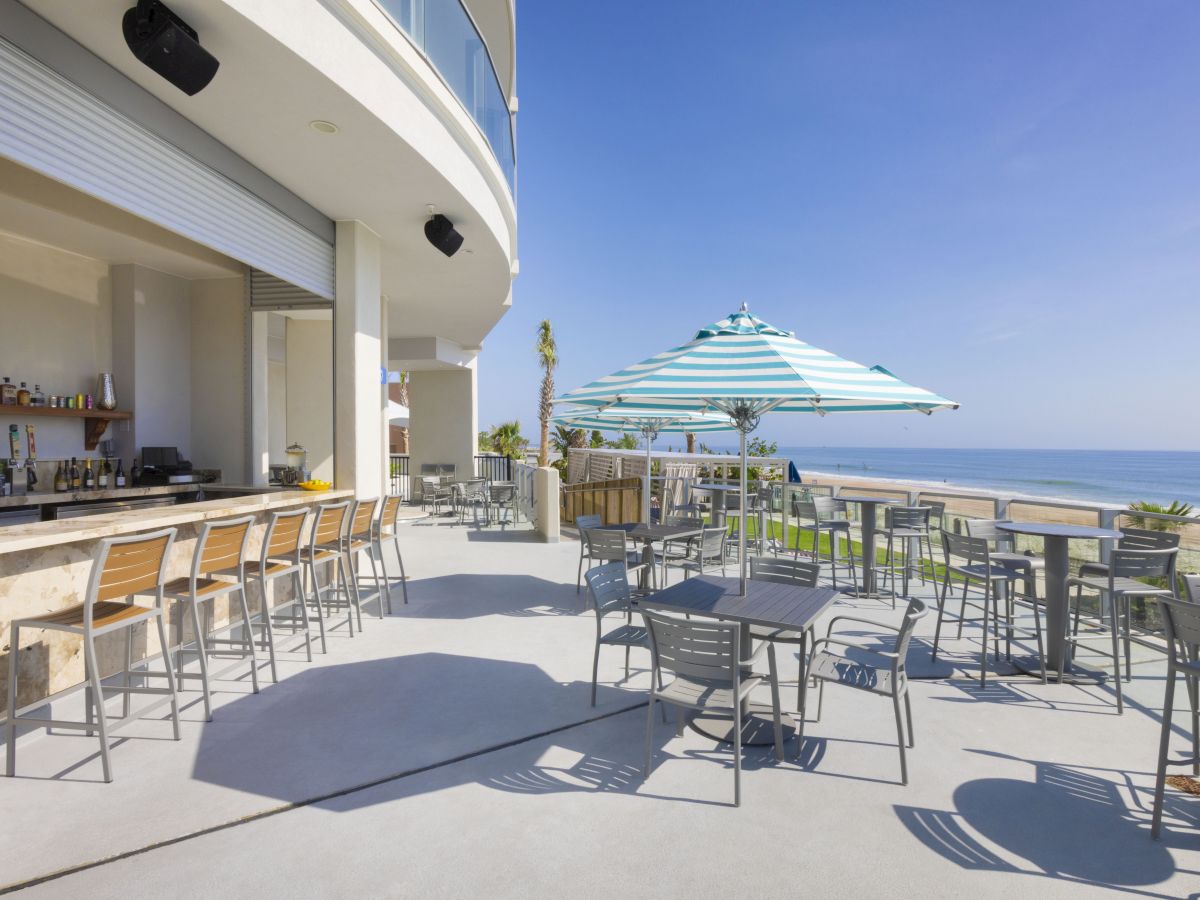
(647, 422)
(744, 368)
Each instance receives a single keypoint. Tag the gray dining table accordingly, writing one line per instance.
(766, 603)
(651, 534)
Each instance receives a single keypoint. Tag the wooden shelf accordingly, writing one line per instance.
(95, 421)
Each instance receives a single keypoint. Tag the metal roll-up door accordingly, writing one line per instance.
(52, 126)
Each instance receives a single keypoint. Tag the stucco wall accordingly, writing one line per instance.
(218, 389)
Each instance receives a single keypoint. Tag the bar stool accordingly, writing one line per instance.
(386, 530)
(122, 569)
(218, 569)
(326, 546)
(825, 515)
(905, 525)
(360, 537)
(280, 558)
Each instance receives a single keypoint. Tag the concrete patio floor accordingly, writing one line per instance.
(450, 750)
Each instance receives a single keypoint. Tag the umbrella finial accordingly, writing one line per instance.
(745, 308)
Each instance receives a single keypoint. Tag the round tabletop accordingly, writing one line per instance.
(410, 515)
(1048, 529)
(855, 498)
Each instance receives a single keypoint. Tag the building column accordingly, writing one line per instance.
(444, 419)
(358, 390)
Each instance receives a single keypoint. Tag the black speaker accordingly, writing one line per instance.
(442, 235)
(168, 45)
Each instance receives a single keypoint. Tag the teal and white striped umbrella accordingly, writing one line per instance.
(647, 422)
(743, 367)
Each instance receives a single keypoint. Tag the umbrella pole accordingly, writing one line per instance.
(742, 524)
(646, 501)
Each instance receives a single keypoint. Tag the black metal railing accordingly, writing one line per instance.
(492, 467)
(398, 481)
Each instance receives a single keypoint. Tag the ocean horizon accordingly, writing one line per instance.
(1102, 476)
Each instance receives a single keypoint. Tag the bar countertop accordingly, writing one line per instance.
(37, 535)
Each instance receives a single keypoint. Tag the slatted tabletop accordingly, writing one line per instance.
(766, 603)
(640, 531)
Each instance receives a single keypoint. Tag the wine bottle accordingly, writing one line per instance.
(89, 479)
(102, 476)
(120, 476)
(75, 480)
(60, 477)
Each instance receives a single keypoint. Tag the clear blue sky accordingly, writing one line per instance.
(997, 201)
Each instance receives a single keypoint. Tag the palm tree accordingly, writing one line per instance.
(504, 439)
(547, 354)
(1177, 508)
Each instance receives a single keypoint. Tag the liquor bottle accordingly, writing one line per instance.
(103, 478)
(120, 476)
(74, 477)
(8, 393)
(23, 395)
(89, 479)
(60, 478)
(39, 399)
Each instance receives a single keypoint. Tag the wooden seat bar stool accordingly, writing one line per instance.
(280, 558)
(218, 569)
(123, 568)
(326, 547)
(387, 529)
(359, 537)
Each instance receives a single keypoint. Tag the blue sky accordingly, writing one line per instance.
(997, 201)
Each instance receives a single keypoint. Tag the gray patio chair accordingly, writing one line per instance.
(1131, 539)
(677, 550)
(906, 524)
(825, 515)
(502, 497)
(1127, 570)
(937, 512)
(1003, 546)
(706, 553)
(471, 494)
(1181, 626)
(434, 494)
(970, 560)
(798, 573)
(608, 586)
(705, 668)
(613, 545)
(881, 672)
(582, 524)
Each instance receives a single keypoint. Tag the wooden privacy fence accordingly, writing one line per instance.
(615, 501)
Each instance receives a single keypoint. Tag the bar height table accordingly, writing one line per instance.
(866, 505)
(1058, 570)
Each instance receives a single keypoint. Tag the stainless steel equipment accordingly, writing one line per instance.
(76, 510)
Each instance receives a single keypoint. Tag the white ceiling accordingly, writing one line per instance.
(260, 105)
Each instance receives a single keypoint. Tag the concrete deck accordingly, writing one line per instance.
(450, 750)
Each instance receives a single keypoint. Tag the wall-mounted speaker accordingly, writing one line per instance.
(168, 45)
(442, 235)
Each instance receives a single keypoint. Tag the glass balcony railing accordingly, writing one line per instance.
(445, 33)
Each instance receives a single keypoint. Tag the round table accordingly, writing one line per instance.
(867, 505)
(1058, 570)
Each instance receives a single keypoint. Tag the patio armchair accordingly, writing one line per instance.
(705, 667)
(1130, 574)
(608, 586)
(798, 573)
(1181, 626)
(471, 494)
(841, 661)
(434, 493)
(583, 524)
(502, 497)
(612, 545)
(708, 552)
(969, 559)
(1003, 545)
(676, 550)
(825, 515)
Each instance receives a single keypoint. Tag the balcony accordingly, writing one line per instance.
(446, 35)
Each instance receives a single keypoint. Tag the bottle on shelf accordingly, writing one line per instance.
(74, 476)
(38, 399)
(89, 478)
(135, 472)
(119, 478)
(60, 478)
(103, 475)
(8, 393)
(23, 395)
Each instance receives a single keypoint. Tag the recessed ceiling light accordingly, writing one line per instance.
(322, 126)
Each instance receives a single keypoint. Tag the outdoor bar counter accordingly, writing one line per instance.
(44, 566)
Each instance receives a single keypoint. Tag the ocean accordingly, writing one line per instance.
(1106, 476)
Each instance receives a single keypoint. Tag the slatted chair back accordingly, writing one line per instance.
(1147, 539)
(284, 532)
(583, 523)
(609, 587)
(221, 546)
(796, 572)
(331, 518)
(828, 508)
(989, 530)
(503, 493)
(1143, 564)
(712, 542)
(1191, 588)
(607, 544)
(937, 513)
(696, 649)
(805, 509)
(910, 517)
(1181, 626)
(126, 566)
(916, 611)
(364, 515)
(965, 550)
(390, 510)
(685, 521)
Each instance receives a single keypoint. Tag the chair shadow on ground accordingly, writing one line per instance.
(410, 725)
(468, 596)
(1070, 823)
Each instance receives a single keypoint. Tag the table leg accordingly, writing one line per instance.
(1058, 651)
(868, 544)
